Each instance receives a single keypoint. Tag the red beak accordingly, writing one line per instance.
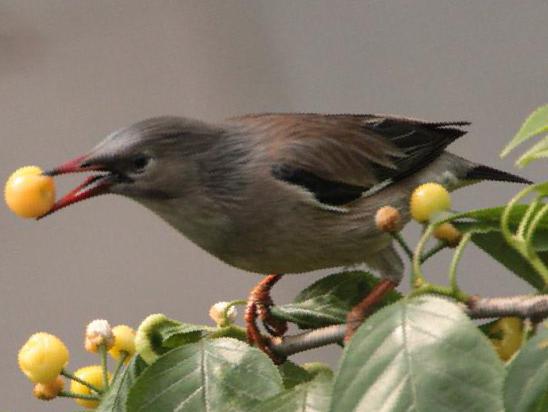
(95, 185)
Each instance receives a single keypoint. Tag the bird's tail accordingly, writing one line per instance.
(489, 173)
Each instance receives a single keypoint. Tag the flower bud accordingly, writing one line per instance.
(220, 316)
(98, 333)
(388, 219)
(124, 341)
(48, 391)
(427, 200)
(448, 233)
(43, 357)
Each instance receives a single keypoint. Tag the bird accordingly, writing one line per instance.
(280, 193)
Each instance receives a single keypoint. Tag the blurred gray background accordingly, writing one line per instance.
(73, 71)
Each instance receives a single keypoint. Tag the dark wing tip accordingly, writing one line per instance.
(490, 173)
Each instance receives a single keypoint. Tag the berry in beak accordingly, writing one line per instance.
(97, 184)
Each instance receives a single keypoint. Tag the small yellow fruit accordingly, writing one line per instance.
(48, 391)
(428, 199)
(28, 193)
(508, 336)
(448, 233)
(43, 357)
(388, 219)
(93, 375)
(124, 341)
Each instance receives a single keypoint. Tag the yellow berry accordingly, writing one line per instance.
(48, 391)
(124, 341)
(507, 336)
(93, 375)
(388, 219)
(28, 193)
(448, 233)
(428, 199)
(43, 357)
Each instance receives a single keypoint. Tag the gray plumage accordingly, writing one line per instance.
(285, 193)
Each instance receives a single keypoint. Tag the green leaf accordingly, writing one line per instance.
(535, 124)
(313, 368)
(209, 375)
(311, 396)
(230, 331)
(526, 386)
(487, 236)
(115, 399)
(158, 334)
(292, 374)
(422, 354)
(538, 151)
(492, 242)
(327, 301)
(494, 214)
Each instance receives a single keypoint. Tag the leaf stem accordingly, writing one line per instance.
(417, 277)
(103, 350)
(435, 249)
(527, 217)
(403, 244)
(455, 262)
(439, 290)
(233, 303)
(75, 378)
(505, 218)
(534, 224)
(123, 357)
(69, 394)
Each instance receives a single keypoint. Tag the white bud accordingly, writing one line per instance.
(217, 313)
(98, 333)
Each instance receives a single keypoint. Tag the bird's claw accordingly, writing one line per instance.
(258, 306)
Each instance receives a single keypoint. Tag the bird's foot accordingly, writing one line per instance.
(258, 306)
(363, 309)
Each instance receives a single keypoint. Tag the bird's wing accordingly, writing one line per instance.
(339, 157)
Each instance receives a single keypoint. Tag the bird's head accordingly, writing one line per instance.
(151, 159)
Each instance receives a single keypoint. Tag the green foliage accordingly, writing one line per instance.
(488, 236)
(526, 386)
(422, 354)
(293, 374)
(493, 243)
(327, 301)
(535, 125)
(311, 396)
(209, 375)
(159, 334)
(115, 399)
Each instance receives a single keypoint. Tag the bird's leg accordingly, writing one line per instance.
(363, 309)
(258, 306)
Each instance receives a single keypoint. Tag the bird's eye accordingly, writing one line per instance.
(139, 163)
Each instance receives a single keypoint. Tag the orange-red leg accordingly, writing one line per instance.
(258, 306)
(363, 309)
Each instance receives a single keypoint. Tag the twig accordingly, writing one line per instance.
(525, 306)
